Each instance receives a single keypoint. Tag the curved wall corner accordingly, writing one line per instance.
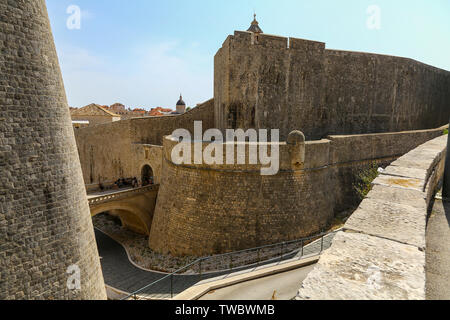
(46, 232)
(209, 209)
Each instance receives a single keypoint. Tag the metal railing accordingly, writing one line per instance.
(206, 268)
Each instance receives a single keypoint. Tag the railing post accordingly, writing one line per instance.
(259, 256)
(171, 285)
(281, 251)
(321, 245)
(200, 268)
(302, 249)
(231, 262)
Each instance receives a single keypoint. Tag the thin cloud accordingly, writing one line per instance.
(153, 76)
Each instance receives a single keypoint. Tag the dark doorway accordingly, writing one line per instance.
(147, 175)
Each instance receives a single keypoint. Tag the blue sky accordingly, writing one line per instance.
(143, 53)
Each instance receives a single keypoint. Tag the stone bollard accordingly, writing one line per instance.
(296, 145)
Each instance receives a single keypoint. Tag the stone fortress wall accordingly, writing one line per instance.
(45, 225)
(117, 150)
(355, 107)
(266, 81)
(223, 208)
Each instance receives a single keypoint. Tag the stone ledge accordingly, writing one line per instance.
(386, 219)
(363, 267)
(409, 197)
(380, 253)
(399, 182)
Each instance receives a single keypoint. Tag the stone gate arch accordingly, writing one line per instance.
(147, 175)
(131, 216)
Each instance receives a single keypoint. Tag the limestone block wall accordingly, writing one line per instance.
(261, 83)
(208, 209)
(95, 120)
(372, 93)
(45, 225)
(265, 81)
(350, 154)
(109, 152)
(152, 130)
(147, 154)
(220, 208)
(380, 254)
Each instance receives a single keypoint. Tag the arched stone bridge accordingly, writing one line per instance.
(134, 207)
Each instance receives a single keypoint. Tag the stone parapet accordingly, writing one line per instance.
(380, 254)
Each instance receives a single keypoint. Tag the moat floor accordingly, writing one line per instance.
(438, 252)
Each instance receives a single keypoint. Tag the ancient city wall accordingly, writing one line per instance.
(220, 208)
(380, 254)
(152, 130)
(371, 93)
(352, 154)
(114, 150)
(265, 81)
(45, 225)
(95, 120)
(261, 83)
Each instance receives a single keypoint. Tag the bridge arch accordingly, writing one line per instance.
(131, 216)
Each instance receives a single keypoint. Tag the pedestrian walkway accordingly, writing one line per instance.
(280, 286)
(119, 273)
(438, 253)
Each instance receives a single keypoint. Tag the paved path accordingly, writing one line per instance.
(438, 253)
(282, 286)
(121, 274)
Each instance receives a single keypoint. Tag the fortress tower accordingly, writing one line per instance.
(46, 233)
(264, 81)
(254, 27)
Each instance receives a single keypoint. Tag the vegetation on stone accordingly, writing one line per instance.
(364, 179)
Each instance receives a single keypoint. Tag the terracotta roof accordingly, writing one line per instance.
(93, 110)
(155, 113)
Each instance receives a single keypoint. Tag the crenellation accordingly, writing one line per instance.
(271, 41)
(313, 46)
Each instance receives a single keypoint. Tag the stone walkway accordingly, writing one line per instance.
(438, 253)
(121, 274)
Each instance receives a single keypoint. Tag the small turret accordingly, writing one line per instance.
(181, 105)
(255, 26)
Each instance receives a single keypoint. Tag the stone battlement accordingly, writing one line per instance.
(263, 40)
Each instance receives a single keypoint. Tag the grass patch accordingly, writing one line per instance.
(364, 178)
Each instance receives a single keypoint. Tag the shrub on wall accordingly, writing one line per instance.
(364, 178)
